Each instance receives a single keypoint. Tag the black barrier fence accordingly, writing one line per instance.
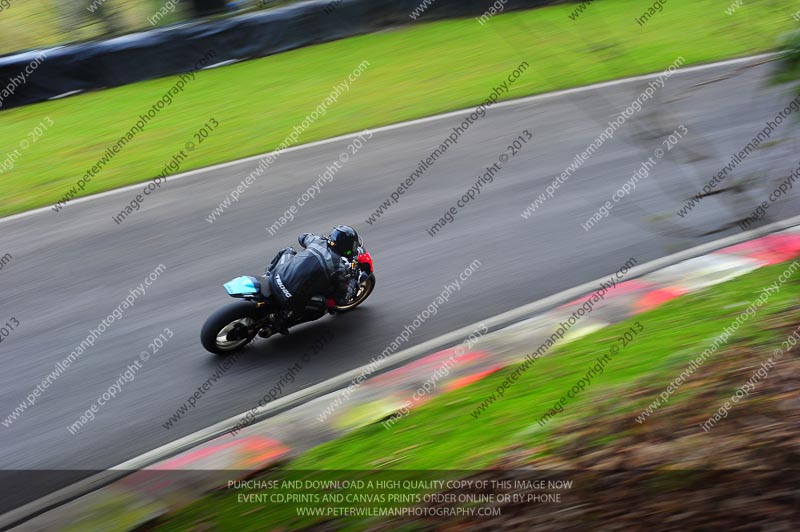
(202, 8)
(173, 50)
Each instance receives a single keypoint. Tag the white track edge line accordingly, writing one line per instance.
(399, 125)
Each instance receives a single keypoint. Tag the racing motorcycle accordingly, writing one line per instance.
(258, 314)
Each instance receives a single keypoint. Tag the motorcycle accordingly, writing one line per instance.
(257, 314)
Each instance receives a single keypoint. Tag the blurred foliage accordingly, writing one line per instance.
(789, 71)
(27, 24)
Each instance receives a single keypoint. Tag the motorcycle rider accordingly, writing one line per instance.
(302, 282)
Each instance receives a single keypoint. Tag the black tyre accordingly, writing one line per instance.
(361, 296)
(230, 328)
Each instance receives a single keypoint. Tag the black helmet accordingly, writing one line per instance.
(344, 240)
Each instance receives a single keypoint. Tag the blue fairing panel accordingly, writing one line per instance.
(244, 285)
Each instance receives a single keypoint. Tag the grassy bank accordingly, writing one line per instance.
(413, 71)
(598, 427)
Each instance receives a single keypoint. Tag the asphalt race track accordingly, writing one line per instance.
(73, 268)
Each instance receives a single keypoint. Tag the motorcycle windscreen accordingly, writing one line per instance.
(243, 286)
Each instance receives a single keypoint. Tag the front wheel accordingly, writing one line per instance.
(230, 328)
(363, 293)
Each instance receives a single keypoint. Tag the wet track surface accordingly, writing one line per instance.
(71, 269)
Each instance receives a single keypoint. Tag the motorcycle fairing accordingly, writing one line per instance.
(366, 258)
(243, 286)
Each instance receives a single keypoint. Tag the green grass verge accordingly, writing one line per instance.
(414, 71)
(443, 434)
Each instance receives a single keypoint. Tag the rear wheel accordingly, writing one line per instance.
(363, 293)
(230, 328)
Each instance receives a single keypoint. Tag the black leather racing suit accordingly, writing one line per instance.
(303, 281)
